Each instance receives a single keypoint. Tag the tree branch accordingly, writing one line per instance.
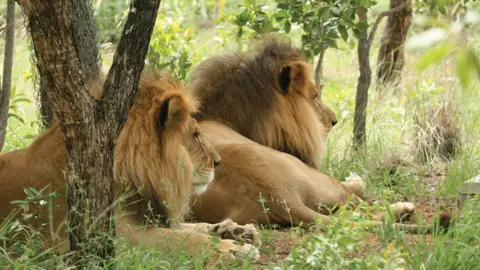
(380, 16)
(56, 54)
(6, 86)
(129, 60)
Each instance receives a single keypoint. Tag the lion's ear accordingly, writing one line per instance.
(172, 113)
(284, 79)
(291, 76)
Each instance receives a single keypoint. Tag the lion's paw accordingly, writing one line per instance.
(403, 211)
(229, 229)
(355, 184)
(244, 251)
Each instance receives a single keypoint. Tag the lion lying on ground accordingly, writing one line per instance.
(160, 154)
(264, 116)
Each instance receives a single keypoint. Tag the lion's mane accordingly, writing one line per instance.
(266, 96)
(149, 152)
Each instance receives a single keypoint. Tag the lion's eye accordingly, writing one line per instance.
(196, 134)
(315, 95)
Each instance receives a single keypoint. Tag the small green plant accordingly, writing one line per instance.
(337, 246)
(21, 232)
(16, 99)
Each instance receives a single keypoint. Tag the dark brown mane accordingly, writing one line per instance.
(266, 95)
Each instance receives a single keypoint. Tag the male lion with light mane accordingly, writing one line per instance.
(264, 116)
(160, 154)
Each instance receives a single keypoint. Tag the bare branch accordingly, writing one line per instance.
(380, 16)
(129, 60)
(7, 71)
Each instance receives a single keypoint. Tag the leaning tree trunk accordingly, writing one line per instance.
(85, 43)
(391, 54)
(361, 100)
(7, 71)
(89, 126)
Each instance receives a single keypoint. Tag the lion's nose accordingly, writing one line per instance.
(216, 163)
(334, 122)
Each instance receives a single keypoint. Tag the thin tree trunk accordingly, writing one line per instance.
(89, 126)
(86, 46)
(391, 58)
(363, 50)
(203, 9)
(216, 7)
(319, 70)
(361, 100)
(6, 86)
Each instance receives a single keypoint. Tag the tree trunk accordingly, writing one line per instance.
(391, 54)
(86, 46)
(45, 109)
(6, 86)
(89, 126)
(319, 70)
(203, 9)
(361, 100)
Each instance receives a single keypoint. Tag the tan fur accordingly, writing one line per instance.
(263, 115)
(160, 157)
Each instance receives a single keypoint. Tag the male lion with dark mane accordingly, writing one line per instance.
(264, 116)
(161, 155)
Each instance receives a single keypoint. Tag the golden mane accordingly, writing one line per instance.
(266, 96)
(150, 153)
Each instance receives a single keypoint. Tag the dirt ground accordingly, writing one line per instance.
(278, 243)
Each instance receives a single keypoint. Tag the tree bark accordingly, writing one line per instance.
(319, 70)
(361, 100)
(6, 86)
(391, 59)
(89, 126)
(86, 46)
(363, 50)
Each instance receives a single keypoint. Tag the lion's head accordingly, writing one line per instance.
(161, 152)
(268, 97)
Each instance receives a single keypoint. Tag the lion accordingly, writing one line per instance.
(264, 115)
(161, 156)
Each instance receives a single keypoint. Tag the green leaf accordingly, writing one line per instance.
(31, 192)
(464, 67)
(356, 33)
(242, 18)
(26, 100)
(287, 27)
(21, 202)
(16, 116)
(259, 18)
(280, 15)
(361, 26)
(434, 55)
(343, 31)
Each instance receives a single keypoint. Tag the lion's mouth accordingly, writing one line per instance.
(201, 185)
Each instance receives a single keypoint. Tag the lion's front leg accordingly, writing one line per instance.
(193, 242)
(226, 229)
